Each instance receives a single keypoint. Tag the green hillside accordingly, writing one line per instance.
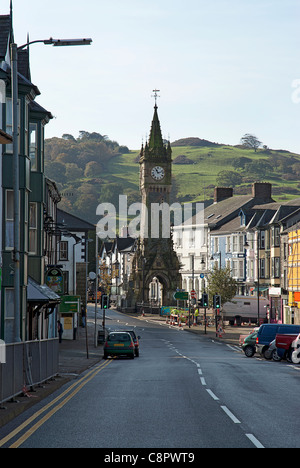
(93, 169)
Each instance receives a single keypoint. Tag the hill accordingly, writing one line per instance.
(92, 169)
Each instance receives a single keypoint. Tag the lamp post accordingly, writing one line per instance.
(16, 175)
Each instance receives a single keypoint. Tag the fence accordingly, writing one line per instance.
(27, 363)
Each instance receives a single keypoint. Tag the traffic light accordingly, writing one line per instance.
(105, 302)
(205, 299)
(217, 301)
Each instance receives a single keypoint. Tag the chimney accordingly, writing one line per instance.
(262, 190)
(221, 193)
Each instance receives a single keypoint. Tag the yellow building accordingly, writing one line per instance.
(293, 274)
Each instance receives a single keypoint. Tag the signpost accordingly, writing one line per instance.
(181, 296)
(69, 309)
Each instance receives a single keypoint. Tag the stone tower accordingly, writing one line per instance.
(155, 257)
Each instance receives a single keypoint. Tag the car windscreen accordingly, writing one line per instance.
(119, 337)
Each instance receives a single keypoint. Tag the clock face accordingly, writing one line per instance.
(157, 173)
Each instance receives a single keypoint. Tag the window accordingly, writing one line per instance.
(251, 268)
(235, 243)
(63, 250)
(9, 122)
(277, 237)
(9, 220)
(33, 146)
(228, 244)
(241, 243)
(262, 268)
(33, 228)
(9, 318)
(276, 267)
(192, 238)
(234, 268)
(262, 239)
(241, 269)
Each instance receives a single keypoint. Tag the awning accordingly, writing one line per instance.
(262, 289)
(40, 293)
(5, 139)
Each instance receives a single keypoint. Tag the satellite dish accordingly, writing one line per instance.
(92, 275)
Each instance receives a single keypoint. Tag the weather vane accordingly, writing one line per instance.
(156, 95)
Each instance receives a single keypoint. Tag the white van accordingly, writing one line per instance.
(244, 309)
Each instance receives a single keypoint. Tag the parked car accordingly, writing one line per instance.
(119, 344)
(284, 343)
(268, 331)
(272, 352)
(136, 341)
(249, 343)
(296, 350)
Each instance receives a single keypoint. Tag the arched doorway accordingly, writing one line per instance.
(157, 289)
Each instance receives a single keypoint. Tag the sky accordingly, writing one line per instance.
(223, 67)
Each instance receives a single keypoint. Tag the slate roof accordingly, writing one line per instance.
(39, 293)
(73, 223)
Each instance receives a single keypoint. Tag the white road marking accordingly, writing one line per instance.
(229, 413)
(212, 394)
(255, 441)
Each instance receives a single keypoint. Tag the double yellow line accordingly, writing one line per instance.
(65, 399)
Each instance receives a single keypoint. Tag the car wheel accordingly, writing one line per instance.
(275, 356)
(131, 356)
(266, 354)
(249, 351)
(105, 356)
(288, 356)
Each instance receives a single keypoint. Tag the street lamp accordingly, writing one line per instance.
(16, 176)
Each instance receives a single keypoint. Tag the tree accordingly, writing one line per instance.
(221, 282)
(229, 178)
(93, 169)
(250, 141)
(259, 168)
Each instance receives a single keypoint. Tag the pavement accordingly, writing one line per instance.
(77, 356)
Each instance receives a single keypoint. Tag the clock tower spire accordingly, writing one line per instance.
(155, 258)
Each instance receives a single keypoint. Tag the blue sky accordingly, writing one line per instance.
(223, 67)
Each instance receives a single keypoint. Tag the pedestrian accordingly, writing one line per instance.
(60, 330)
(83, 316)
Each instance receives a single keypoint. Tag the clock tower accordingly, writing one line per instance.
(155, 260)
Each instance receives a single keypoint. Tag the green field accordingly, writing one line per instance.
(196, 181)
(94, 172)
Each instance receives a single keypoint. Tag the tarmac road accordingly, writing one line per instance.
(185, 391)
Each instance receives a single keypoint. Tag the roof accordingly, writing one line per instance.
(124, 243)
(40, 293)
(35, 107)
(73, 223)
(5, 138)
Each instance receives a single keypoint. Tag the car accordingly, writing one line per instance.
(119, 344)
(284, 344)
(296, 350)
(267, 333)
(272, 352)
(136, 341)
(248, 345)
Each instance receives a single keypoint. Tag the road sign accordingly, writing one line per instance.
(181, 296)
(193, 294)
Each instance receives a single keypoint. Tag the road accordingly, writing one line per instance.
(183, 392)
